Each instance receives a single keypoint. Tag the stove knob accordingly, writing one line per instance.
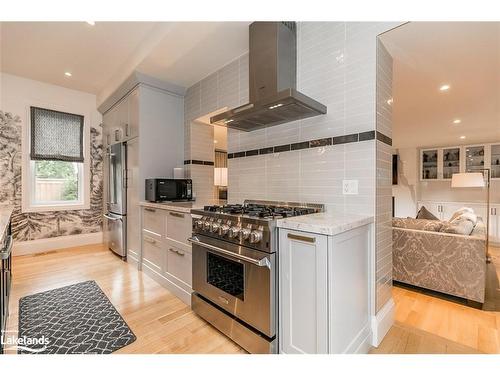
(244, 233)
(206, 226)
(233, 232)
(199, 224)
(255, 236)
(223, 229)
(214, 227)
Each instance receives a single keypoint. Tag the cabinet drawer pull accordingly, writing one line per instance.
(176, 214)
(149, 209)
(301, 238)
(127, 131)
(150, 240)
(177, 252)
(223, 300)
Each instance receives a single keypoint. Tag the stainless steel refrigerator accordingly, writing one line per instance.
(116, 198)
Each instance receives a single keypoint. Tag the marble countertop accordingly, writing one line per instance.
(184, 207)
(5, 214)
(329, 223)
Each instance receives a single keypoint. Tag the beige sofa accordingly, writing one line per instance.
(448, 263)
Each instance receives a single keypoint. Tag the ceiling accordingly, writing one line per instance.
(193, 50)
(427, 55)
(102, 56)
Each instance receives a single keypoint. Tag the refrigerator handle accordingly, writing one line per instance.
(111, 218)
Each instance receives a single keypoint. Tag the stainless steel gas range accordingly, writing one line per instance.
(235, 269)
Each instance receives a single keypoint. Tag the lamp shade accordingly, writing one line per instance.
(467, 180)
(220, 176)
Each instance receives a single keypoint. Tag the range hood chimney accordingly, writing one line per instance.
(274, 99)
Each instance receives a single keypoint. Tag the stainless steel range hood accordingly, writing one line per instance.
(274, 99)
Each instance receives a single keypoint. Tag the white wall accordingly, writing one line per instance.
(18, 94)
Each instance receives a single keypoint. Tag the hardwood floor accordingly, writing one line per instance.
(161, 321)
(164, 324)
(430, 320)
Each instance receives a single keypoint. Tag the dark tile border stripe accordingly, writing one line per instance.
(322, 142)
(198, 162)
(383, 138)
(350, 138)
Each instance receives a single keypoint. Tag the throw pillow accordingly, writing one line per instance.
(424, 213)
(467, 216)
(460, 212)
(458, 226)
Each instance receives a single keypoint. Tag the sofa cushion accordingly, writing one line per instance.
(424, 213)
(419, 224)
(460, 225)
(460, 212)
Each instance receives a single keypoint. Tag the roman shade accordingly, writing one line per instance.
(56, 135)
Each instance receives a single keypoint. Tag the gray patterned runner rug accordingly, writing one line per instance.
(75, 319)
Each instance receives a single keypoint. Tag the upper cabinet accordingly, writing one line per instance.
(495, 161)
(439, 164)
(429, 163)
(451, 162)
(474, 158)
(121, 122)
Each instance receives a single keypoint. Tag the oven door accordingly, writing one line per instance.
(238, 279)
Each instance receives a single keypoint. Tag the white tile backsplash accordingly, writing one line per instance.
(337, 65)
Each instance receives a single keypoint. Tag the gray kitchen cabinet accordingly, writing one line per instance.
(179, 264)
(133, 208)
(303, 292)
(324, 291)
(132, 126)
(166, 253)
(153, 253)
(179, 227)
(121, 122)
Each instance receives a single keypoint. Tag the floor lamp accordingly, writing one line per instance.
(472, 180)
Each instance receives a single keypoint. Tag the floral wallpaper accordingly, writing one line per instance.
(37, 225)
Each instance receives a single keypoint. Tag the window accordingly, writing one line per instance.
(57, 164)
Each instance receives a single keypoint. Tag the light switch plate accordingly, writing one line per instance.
(350, 187)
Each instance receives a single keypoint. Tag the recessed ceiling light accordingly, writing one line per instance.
(444, 88)
(462, 137)
(68, 74)
(91, 23)
(215, 140)
(457, 121)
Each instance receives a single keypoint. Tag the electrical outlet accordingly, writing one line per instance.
(350, 187)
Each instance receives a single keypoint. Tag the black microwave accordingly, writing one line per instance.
(168, 189)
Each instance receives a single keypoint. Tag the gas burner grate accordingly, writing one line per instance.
(261, 211)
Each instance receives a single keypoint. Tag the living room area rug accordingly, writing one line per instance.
(75, 319)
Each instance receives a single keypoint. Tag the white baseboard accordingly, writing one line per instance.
(382, 322)
(55, 243)
(362, 342)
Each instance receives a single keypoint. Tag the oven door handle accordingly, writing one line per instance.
(264, 262)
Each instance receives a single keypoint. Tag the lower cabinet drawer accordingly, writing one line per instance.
(153, 220)
(179, 264)
(153, 254)
(179, 226)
